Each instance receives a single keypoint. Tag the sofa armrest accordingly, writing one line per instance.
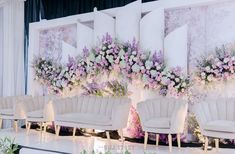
(178, 118)
(19, 110)
(48, 111)
(120, 115)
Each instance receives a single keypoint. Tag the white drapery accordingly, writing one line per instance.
(12, 47)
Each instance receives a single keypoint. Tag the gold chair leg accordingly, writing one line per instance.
(145, 140)
(178, 140)
(74, 131)
(206, 144)
(1, 123)
(28, 127)
(121, 135)
(45, 127)
(170, 142)
(57, 130)
(217, 145)
(108, 135)
(157, 139)
(15, 125)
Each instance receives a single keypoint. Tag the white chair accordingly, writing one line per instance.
(216, 118)
(39, 110)
(163, 116)
(102, 113)
(10, 109)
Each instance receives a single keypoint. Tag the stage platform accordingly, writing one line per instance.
(46, 143)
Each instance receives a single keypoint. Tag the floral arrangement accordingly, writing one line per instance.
(126, 59)
(216, 67)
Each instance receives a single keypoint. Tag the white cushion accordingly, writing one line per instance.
(158, 123)
(35, 114)
(127, 22)
(84, 119)
(221, 126)
(84, 37)
(103, 23)
(176, 49)
(152, 31)
(8, 112)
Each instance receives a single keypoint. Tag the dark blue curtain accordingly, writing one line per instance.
(51, 9)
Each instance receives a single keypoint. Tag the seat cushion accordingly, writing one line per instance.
(84, 119)
(158, 123)
(8, 112)
(221, 126)
(35, 114)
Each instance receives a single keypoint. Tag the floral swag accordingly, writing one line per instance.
(126, 60)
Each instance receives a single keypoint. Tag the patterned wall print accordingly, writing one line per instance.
(50, 40)
(209, 26)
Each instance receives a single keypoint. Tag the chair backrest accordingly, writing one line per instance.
(91, 104)
(215, 109)
(161, 107)
(8, 102)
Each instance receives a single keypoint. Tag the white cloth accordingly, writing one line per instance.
(12, 48)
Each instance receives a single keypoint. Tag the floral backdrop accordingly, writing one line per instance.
(116, 68)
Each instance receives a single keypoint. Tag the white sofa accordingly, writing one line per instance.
(38, 109)
(163, 116)
(103, 113)
(216, 118)
(10, 108)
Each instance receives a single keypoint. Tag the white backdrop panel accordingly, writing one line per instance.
(152, 30)
(103, 23)
(67, 50)
(84, 37)
(175, 48)
(127, 22)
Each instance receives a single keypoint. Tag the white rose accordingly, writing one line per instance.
(207, 68)
(177, 80)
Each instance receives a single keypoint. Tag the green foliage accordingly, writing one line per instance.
(7, 145)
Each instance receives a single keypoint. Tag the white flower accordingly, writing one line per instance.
(148, 64)
(136, 68)
(233, 58)
(122, 63)
(134, 52)
(110, 46)
(153, 73)
(207, 68)
(177, 80)
(121, 53)
(226, 60)
(104, 47)
(158, 67)
(209, 77)
(183, 84)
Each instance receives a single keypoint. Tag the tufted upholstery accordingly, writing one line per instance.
(216, 117)
(105, 113)
(163, 116)
(11, 108)
(39, 108)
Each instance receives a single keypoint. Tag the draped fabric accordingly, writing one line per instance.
(12, 48)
